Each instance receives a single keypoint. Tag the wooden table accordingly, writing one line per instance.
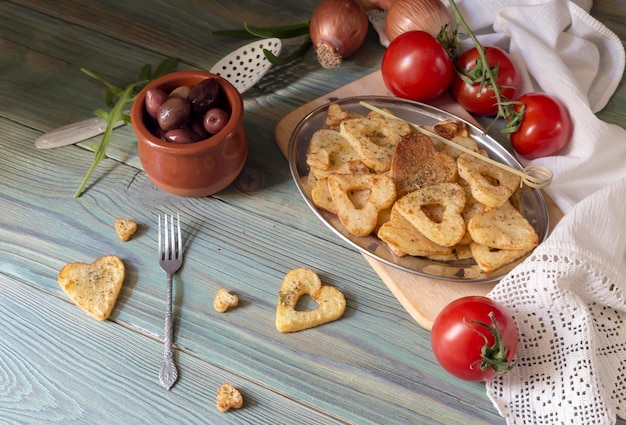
(59, 365)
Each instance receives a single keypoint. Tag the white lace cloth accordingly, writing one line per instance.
(569, 297)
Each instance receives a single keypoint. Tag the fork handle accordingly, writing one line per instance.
(168, 373)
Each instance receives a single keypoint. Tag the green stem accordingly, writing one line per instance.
(506, 107)
(283, 60)
(483, 57)
(295, 29)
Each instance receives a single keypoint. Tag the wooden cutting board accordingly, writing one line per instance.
(422, 297)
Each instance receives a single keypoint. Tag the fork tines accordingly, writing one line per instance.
(169, 246)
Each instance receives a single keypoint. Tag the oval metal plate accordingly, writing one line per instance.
(532, 202)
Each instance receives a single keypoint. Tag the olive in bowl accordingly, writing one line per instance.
(176, 150)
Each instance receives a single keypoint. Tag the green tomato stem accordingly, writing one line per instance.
(505, 107)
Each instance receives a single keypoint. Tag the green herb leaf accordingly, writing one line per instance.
(283, 60)
(118, 98)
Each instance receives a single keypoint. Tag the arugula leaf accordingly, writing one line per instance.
(117, 98)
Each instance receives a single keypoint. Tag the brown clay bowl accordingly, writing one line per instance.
(196, 169)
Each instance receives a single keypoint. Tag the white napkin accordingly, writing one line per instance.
(569, 297)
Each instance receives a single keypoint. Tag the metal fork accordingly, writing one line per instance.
(170, 260)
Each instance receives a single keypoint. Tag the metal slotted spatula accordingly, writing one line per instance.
(243, 68)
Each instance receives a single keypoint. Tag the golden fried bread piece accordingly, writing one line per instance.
(228, 397)
(375, 191)
(451, 228)
(416, 163)
(402, 238)
(328, 150)
(374, 139)
(491, 259)
(336, 114)
(320, 195)
(302, 281)
(125, 228)
(503, 228)
(224, 300)
(490, 185)
(94, 287)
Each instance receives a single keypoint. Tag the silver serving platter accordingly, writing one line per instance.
(531, 201)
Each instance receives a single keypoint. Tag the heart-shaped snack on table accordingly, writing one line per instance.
(94, 287)
(125, 228)
(298, 282)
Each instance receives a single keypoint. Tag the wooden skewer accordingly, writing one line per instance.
(536, 176)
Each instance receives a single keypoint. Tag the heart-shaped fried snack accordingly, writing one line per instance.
(502, 228)
(358, 198)
(374, 139)
(228, 397)
(491, 259)
(303, 281)
(446, 230)
(416, 163)
(490, 185)
(320, 194)
(328, 150)
(336, 114)
(94, 287)
(402, 238)
(125, 228)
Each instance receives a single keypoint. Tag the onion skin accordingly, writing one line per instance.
(337, 28)
(410, 15)
(376, 4)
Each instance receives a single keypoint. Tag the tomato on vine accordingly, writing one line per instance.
(474, 338)
(471, 86)
(416, 67)
(545, 127)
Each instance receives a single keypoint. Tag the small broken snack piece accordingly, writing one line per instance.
(490, 185)
(302, 281)
(502, 228)
(94, 287)
(416, 163)
(373, 193)
(224, 299)
(447, 230)
(228, 397)
(125, 228)
(449, 129)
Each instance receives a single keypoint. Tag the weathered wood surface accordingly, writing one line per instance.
(57, 364)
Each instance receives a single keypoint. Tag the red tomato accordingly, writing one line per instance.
(478, 98)
(416, 67)
(546, 127)
(468, 344)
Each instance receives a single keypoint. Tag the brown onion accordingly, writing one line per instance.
(409, 15)
(337, 28)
